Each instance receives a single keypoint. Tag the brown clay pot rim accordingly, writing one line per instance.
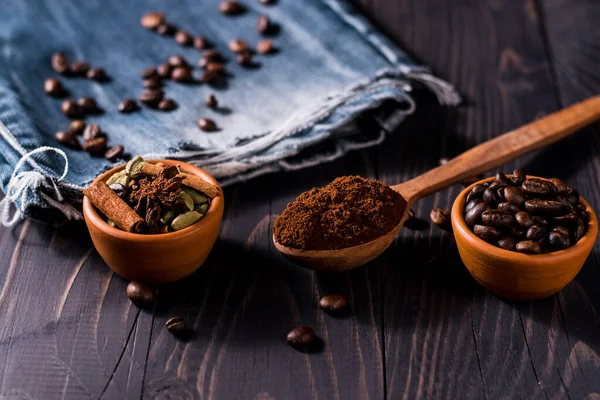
(461, 228)
(93, 217)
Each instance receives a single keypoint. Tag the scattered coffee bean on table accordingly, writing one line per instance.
(91, 131)
(152, 83)
(95, 146)
(80, 68)
(238, 46)
(164, 70)
(244, 59)
(527, 215)
(211, 101)
(76, 127)
(440, 217)
(148, 73)
(140, 294)
(208, 76)
(88, 104)
(182, 74)
(183, 38)
(68, 139)
(97, 74)
(151, 98)
(177, 61)
(167, 105)
(302, 336)
(263, 25)
(215, 67)
(200, 43)
(60, 63)
(54, 87)
(127, 106)
(211, 55)
(70, 109)
(152, 20)
(114, 153)
(165, 29)
(176, 325)
(267, 2)
(332, 302)
(265, 47)
(231, 7)
(207, 125)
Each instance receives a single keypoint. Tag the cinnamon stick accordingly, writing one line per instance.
(193, 181)
(115, 209)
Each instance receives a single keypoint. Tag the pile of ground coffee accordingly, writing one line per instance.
(347, 212)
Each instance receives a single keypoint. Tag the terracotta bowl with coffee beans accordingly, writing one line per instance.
(523, 237)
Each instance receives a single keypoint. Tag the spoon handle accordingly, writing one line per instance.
(502, 149)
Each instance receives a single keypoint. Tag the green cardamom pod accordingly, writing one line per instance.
(168, 217)
(123, 180)
(185, 220)
(188, 200)
(197, 196)
(134, 167)
(111, 223)
(115, 177)
(202, 208)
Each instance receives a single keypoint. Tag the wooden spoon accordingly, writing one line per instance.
(479, 159)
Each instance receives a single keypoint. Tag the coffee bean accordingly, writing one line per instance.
(487, 233)
(579, 231)
(535, 233)
(490, 195)
(332, 302)
(215, 67)
(95, 146)
(544, 207)
(165, 29)
(68, 139)
(127, 106)
(472, 204)
(500, 177)
(148, 73)
(152, 83)
(507, 243)
(164, 71)
(244, 59)
(182, 74)
(231, 7)
(238, 46)
(515, 232)
(558, 241)
(518, 177)
(561, 187)
(473, 216)
(537, 187)
(60, 63)
(91, 131)
(476, 192)
(497, 218)
(200, 43)
(514, 195)
(528, 247)
(301, 336)
(208, 76)
(79, 68)
(54, 87)
(562, 230)
(212, 55)
(211, 101)
(541, 221)
(183, 38)
(524, 219)
(176, 325)
(71, 109)
(151, 20)
(207, 125)
(88, 104)
(151, 98)
(97, 74)
(177, 61)
(267, 2)
(76, 127)
(263, 25)
(167, 105)
(203, 62)
(440, 217)
(573, 197)
(508, 208)
(569, 218)
(582, 212)
(114, 152)
(265, 47)
(140, 294)
(497, 185)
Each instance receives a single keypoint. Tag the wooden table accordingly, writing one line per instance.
(418, 326)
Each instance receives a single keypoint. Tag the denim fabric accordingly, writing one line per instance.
(332, 67)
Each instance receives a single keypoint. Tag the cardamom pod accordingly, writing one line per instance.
(202, 208)
(111, 223)
(196, 195)
(185, 220)
(187, 199)
(168, 217)
(134, 167)
(115, 177)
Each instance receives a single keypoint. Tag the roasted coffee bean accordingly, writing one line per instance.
(563, 200)
(561, 187)
(60, 63)
(440, 217)
(183, 38)
(537, 187)
(573, 197)
(167, 105)
(524, 219)
(177, 61)
(151, 98)
(563, 230)
(203, 62)
(238, 46)
(301, 336)
(165, 29)
(476, 192)
(544, 207)
(216, 67)
(211, 101)
(91, 131)
(541, 221)
(148, 73)
(164, 71)
(528, 247)
(76, 127)
(151, 20)
(500, 177)
(472, 204)
(68, 139)
(265, 47)
(518, 177)
(127, 106)
(152, 83)
(176, 325)
(95, 146)
(332, 302)
(71, 109)
(97, 74)
(497, 218)
(507, 243)
(515, 232)
(490, 195)
(231, 7)
(263, 25)
(114, 152)
(244, 59)
(487, 233)
(514, 195)
(119, 189)
(207, 125)
(267, 2)
(535, 233)
(569, 218)
(79, 68)
(208, 76)
(473, 216)
(54, 87)
(582, 212)
(200, 43)
(140, 294)
(212, 55)
(508, 208)
(88, 104)
(579, 231)
(182, 74)
(558, 241)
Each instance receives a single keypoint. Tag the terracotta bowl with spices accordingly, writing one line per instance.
(517, 276)
(156, 258)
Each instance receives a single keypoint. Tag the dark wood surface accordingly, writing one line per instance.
(417, 327)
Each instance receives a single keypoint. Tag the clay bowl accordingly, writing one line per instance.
(516, 276)
(159, 258)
